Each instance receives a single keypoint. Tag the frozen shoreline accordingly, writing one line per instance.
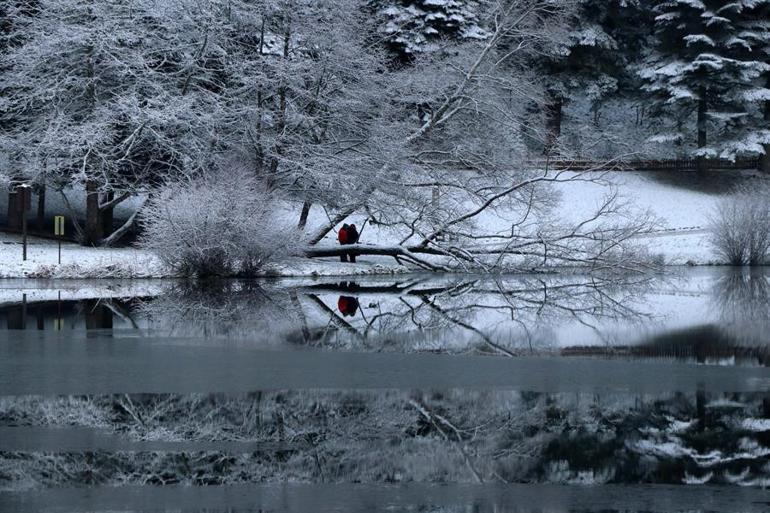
(148, 267)
(681, 248)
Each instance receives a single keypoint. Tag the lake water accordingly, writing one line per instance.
(401, 393)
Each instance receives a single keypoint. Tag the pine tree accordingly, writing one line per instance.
(755, 32)
(592, 60)
(417, 26)
(701, 64)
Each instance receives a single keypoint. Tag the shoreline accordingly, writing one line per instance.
(323, 269)
(78, 262)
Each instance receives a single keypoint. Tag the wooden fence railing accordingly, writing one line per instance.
(645, 165)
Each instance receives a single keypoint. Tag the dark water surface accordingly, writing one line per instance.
(401, 393)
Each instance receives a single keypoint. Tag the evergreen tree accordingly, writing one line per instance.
(417, 26)
(702, 64)
(593, 59)
(755, 32)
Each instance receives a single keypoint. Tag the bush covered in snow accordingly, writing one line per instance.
(222, 224)
(740, 226)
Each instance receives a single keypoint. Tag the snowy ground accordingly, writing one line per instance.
(77, 261)
(681, 201)
(682, 206)
(81, 262)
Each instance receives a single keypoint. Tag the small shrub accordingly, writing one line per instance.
(223, 224)
(740, 226)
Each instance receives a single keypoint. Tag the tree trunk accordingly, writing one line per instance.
(15, 208)
(700, 409)
(304, 215)
(107, 215)
(94, 228)
(116, 235)
(281, 123)
(553, 124)
(764, 160)
(702, 140)
(40, 222)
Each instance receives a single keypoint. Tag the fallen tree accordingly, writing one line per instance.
(534, 239)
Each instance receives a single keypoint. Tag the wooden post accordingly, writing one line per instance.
(23, 226)
(58, 230)
(25, 205)
(40, 222)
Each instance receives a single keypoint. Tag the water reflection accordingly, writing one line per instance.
(378, 437)
(94, 313)
(373, 436)
(704, 316)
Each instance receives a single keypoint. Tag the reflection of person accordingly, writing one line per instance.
(347, 305)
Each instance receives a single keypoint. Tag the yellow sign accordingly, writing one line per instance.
(58, 225)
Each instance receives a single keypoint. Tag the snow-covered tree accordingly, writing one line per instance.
(590, 61)
(108, 96)
(755, 32)
(452, 167)
(413, 27)
(704, 64)
(306, 105)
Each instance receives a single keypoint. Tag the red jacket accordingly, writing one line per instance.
(342, 236)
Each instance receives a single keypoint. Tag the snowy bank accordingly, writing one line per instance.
(680, 201)
(80, 262)
(76, 261)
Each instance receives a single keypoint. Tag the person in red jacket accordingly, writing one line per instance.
(352, 236)
(342, 237)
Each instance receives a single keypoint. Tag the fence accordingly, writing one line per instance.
(646, 165)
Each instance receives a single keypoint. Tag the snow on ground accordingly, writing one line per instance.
(77, 261)
(326, 267)
(681, 201)
(84, 262)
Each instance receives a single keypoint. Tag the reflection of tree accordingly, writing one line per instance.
(403, 436)
(743, 295)
(681, 439)
(221, 308)
(707, 343)
(505, 315)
